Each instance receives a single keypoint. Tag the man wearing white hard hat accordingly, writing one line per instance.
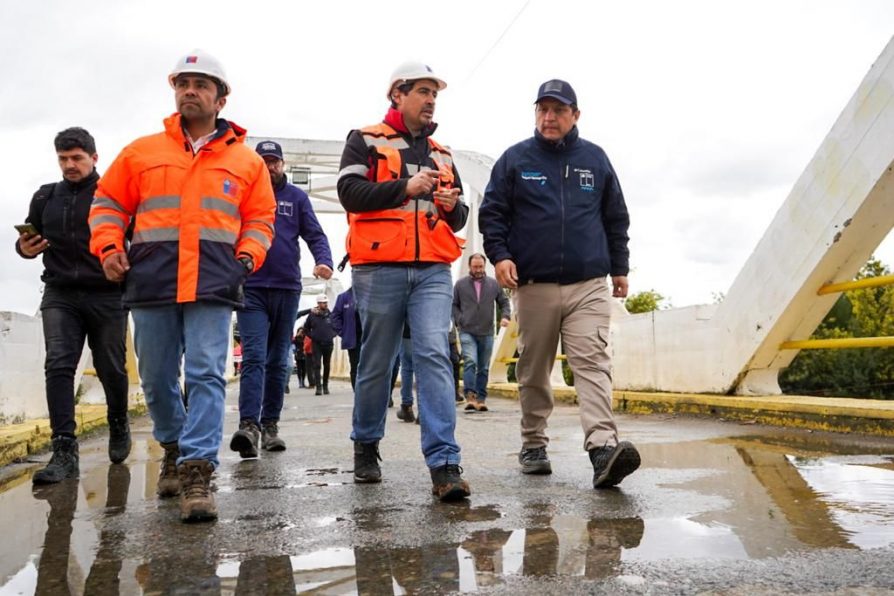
(404, 201)
(202, 210)
(318, 327)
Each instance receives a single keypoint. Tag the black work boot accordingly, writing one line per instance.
(319, 390)
(63, 463)
(535, 461)
(448, 484)
(325, 389)
(366, 463)
(612, 464)
(270, 440)
(168, 480)
(406, 414)
(119, 438)
(196, 501)
(245, 440)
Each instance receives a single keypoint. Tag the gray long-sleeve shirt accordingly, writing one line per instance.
(476, 316)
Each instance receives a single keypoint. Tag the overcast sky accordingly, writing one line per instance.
(708, 110)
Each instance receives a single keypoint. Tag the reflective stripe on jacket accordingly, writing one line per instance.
(414, 231)
(193, 215)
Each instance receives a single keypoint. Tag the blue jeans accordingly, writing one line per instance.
(386, 295)
(406, 371)
(266, 323)
(199, 334)
(476, 362)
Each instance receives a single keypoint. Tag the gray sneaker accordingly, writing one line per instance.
(245, 440)
(612, 464)
(534, 461)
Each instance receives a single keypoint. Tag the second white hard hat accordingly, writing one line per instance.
(413, 71)
(200, 62)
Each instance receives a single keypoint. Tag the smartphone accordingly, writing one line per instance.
(26, 228)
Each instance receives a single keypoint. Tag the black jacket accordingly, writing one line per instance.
(59, 212)
(318, 326)
(556, 210)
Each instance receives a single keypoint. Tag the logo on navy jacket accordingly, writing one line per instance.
(535, 177)
(587, 180)
(284, 208)
(231, 189)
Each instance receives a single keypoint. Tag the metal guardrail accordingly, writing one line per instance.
(511, 360)
(845, 342)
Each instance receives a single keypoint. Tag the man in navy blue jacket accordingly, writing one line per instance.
(346, 323)
(267, 321)
(555, 225)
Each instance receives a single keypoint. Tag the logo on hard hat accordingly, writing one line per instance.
(192, 59)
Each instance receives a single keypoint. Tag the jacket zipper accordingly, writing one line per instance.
(562, 211)
(70, 205)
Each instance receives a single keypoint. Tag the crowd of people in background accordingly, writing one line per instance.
(189, 224)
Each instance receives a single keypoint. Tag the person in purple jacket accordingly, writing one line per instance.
(267, 320)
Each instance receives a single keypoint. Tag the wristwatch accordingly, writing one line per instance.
(247, 262)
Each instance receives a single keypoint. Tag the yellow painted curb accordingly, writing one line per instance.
(865, 416)
(18, 441)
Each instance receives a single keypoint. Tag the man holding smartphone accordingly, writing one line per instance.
(78, 303)
(404, 202)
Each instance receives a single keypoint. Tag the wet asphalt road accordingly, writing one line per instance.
(717, 507)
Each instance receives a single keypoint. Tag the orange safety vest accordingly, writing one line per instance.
(413, 232)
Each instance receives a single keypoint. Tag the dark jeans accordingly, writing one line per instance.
(322, 355)
(69, 317)
(265, 326)
(301, 370)
(353, 360)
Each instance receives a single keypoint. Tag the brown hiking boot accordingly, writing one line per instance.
(168, 481)
(448, 484)
(471, 401)
(196, 501)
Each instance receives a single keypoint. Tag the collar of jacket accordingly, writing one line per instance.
(395, 120)
(566, 143)
(87, 181)
(227, 133)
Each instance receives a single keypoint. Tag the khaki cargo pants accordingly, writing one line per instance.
(580, 314)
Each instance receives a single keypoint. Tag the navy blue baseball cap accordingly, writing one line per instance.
(557, 89)
(271, 148)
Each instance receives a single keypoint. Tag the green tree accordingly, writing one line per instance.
(646, 301)
(863, 372)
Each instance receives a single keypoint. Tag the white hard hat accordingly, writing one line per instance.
(413, 71)
(200, 62)
(322, 298)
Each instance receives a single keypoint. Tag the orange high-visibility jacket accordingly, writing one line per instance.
(192, 215)
(413, 232)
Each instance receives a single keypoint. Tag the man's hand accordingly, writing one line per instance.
(422, 183)
(506, 274)
(116, 266)
(619, 286)
(446, 199)
(32, 245)
(322, 271)
(504, 322)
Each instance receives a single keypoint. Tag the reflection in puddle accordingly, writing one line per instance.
(859, 491)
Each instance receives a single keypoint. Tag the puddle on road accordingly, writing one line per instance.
(859, 494)
(738, 498)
